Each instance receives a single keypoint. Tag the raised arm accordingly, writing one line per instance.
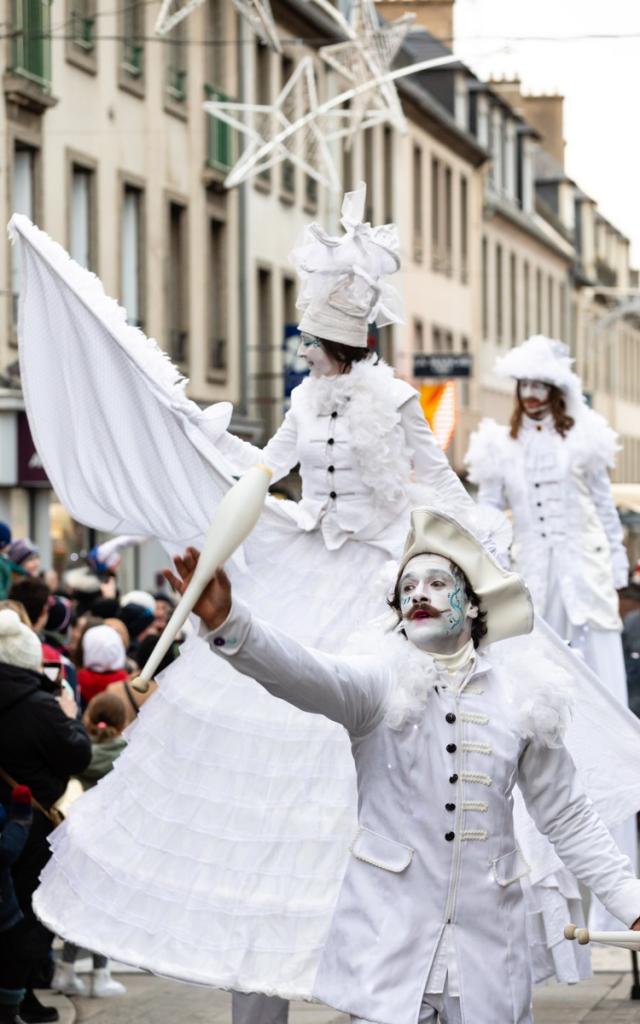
(350, 691)
(431, 466)
(280, 453)
(563, 812)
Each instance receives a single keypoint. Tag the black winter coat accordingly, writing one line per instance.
(40, 746)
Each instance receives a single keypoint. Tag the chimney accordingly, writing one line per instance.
(436, 16)
(546, 115)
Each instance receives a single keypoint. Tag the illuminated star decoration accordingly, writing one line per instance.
(271, 131)
(258, 13)
(367, 56)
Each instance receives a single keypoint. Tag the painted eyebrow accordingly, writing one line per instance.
(412, 577)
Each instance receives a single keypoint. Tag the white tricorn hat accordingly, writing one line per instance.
(541, 358)
(342, 286)
(503, 595)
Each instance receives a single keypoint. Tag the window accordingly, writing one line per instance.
(499, 321)
(551, 310)
(436, 339)
(388, 174)
(464, 391)
(81, 242)
(418, 335)
(133, 38)
(287, 167)
(263, 96)
(485, 288)
(216, 53)
(24, 201)
(131, 287)
(448, 341)
(82, 24)
(435, 213)
(219, 137)
(527, 299)
(369, 175)
(448, 220)
(177, 285)
(513, 298)
(417, 204)
(218, 356)
(563, 328)
(176, 63)
(347, 160)
(265, 378)
(464, 229)
(31, 40)
(539, 301)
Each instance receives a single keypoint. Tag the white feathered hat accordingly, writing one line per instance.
(541, 358)
(342, 286)
(503, 594)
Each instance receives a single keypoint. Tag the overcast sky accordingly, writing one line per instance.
(599, 78)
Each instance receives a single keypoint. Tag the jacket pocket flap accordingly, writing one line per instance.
(381, 852)
(509, 868)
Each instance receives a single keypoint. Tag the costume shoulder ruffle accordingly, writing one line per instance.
(592, 440)
(486, 446)
(540, 692)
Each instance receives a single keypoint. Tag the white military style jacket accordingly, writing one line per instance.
(566, 528)
(434, 856)
(359, 439)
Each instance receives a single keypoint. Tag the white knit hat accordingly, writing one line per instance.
(342, 286)
(548, 360)
(19, 645)
(103, 649)
(141, 597)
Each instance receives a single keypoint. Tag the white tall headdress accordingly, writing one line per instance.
(342, 286)
(541, 358)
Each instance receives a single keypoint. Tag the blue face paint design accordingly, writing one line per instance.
(406, 600)
(309, 341)
(456, 606)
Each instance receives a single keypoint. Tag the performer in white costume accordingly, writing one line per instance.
(214, 851)
(550, 467)
(429, 920)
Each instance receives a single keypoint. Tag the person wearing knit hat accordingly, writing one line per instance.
(550, 465)
(139, 621)
(445, 711)
(8, 567)
(5, 536)
(26, 554)
(103, 661)
(19, 645)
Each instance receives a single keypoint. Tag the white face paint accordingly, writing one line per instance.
(436, 612)
(534, 396)
(319, 362)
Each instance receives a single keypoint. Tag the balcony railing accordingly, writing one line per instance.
(133, 58)
(177, 84)
(31, 43)
(219, 135)
(82, 31)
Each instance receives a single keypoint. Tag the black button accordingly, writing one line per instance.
(542, 519)
(331, 440)
(450, 836)
(334, 415)
(450, 718)
(539, 504)
(219, 641)
(331, 469)
(333, 495)
(449, 807)
(536, 485)
(543, 535)
(538, 427)
(451, 748)
(453, 778)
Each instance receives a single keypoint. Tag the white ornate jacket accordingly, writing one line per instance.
(436, 767)
(358, 439)
(566, 527)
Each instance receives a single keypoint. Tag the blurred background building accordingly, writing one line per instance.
(107, 148)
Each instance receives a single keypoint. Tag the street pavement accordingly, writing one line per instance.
(604, 999)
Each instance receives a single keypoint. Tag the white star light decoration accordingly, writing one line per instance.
(257, 12)
(367, 56)
(272, 134)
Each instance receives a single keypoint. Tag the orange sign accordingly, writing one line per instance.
(438, 403)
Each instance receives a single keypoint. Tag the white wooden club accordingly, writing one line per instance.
(622, 940)
(234, 519)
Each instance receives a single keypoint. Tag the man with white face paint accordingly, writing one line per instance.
(551, 467)
(429, 919)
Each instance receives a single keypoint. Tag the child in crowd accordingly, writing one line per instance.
(104, 720)
(103, 661)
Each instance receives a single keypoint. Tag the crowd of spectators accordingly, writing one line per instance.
(69, 649)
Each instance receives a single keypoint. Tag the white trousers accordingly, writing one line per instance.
(442, 1008)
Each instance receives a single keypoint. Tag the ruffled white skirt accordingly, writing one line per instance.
(214, 851)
